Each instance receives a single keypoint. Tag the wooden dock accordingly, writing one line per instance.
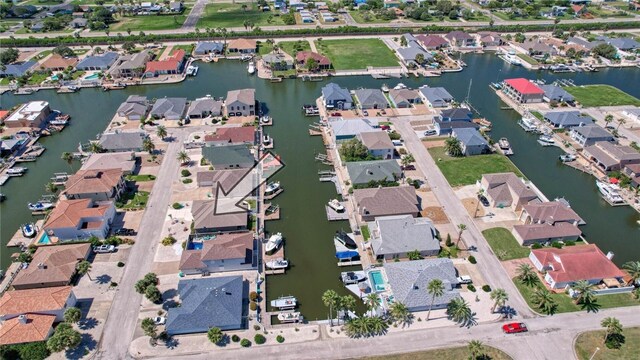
(270, 197)
(13, 270)
(313, 132)
(349, 263)
(276, 255)
(333, 215)
(272, 212)
(19, 240)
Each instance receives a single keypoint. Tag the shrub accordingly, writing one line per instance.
(113, 284)
(402, 151)
(169, 240)
(187, 181)
(557, 244)
(235, 338)
(536, 246)
(113, 240)
(448, 242)
(120, 264)
(185, 172)
(184, 245)
(177, 206)
(486, 288)
(253, 306)
(253, 296)
(280, 339)
(570, 243)
(256, 327)
(259, 339)
(472, 259)
(245, 343)
(471, 288)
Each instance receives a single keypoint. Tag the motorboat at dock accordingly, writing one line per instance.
(28, 230)
(285, 302)
(567, 158)
(352, 277)
(274, 242)
(504, 145)
(40, 206)
(277, 264)
(610, 192)
(336, 205)
(16, 171)
(290, 317)
(546, 140)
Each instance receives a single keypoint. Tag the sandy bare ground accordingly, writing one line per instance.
(436, 214)
(471, 205)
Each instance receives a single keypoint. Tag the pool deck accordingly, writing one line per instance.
(18, 239)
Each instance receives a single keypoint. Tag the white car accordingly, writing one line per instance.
(464, 279)
(104, 249)
(430, 132)
(159, 320)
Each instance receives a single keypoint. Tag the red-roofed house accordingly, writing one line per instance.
(523, 90)
(26, 328)
(232, 135)
(80, 219)
(303, 57)
(566, 266)
(172, 65)
(432, 42)
(46, 301)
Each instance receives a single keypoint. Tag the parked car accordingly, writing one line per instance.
(336, 114)
(430, 132)
(104, 249)
(365, 113)
(125, 232)
(159, 320)
(483, 199)
(514, 328)
(385, 127)
(464, 279)
(408, 167)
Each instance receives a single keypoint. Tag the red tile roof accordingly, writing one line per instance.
(304, 56)
(69, 213)
(524, 86)
(171, 63)
(431, 41)
(243, 134)
(34, 300)
(4, 114)
(36, 327)
(574, 263)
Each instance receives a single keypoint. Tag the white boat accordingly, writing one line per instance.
(251, 68)
(59, 122)
(192, 70)
(336, 205)
(246, 57)
(274, 242)
(384, 88)
(546, 140)
(266, 140)
(504, 145)
(265, 119)
(278, 263)
(567, 158)
(352, 277)
(29, 230)
(40, 206)
(400, 86)
(528, 124)
(272, 187)
(285, 302)
(609, 192)
(511, 58)
(290, 316)
(16, 171)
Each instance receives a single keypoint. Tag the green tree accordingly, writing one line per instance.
(435, 288)
(72, 315)
(459, 311)
(347, 303)
(621, 121)
(414, 255)
(153, 294)
(372, 301)
(354, 150)
(148, 146)
(51, 187)
(607, 51)
(476, 349)
(633, 269)
(63, 51)
(330, 299)
(142, 284)
(64, 337)
(161, 131)
(403, 41)
(499, 297)
(452, 147)
(149, 327)
(312, 64)
(184, 158)
(9, 55)
(543, 299)
(527, 275)
(608, 119)
(613, 337)
(584, 290)
(84, 267)
(407, 159)
(95, 147)
(68, 158)
(215, 335)
(399, 313)
(461, 229)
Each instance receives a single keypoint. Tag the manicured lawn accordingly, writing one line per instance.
(291, 47)
(537, 115)
(504, 245)
(359, 17)
(364, 229)
(285, 74)
(354, 54)
(5, 81)
(41, 2)
(469, 169)
(528, 59)
(37, 78)
(188, 48)
(587, 342)
(135, 200)
(77, 74)
(455, 353)
(232, 15)
(149, 22)
(141, 177)
(601, 95)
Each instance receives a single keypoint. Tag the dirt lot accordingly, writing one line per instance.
(433, 143)
(436, 214)
(472, 205)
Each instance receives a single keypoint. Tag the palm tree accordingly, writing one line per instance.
(400, 313)
(376, 325)
(584, 290)
(72, 315)
(95, 147)
(161, 131)
(452, 147)
(461, 229)
(435, 288)
(621, 121)
(148, 145)
(459, 311)
(372, 301)
(526, 275)
(330, 298)
(84, 267)
(407, 159)
(608, 119)
(184, 158)
(612, 326)
(633, 269)
(544, 300)
(476, 349)
(499, 297)
(215, 335)
(51, 187)
(347, 303)
(68, 157)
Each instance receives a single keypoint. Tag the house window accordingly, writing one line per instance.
(244, 107)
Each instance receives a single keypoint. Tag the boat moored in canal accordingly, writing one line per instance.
(610, 192)
(251, 69)
(192, 70)
(546, 140)
(16, 171)
(285, 302)
(336, 205)
(343, 239)
(504, 145)
(28, 230)
(352, 277)
(277, 264)
(273, 243)
(528, 124)
(567, 158)
(40, 206)
(290, 317)
(272, 187)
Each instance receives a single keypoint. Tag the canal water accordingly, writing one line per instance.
(308, 234)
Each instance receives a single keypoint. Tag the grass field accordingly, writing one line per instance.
(141, 177)
(355, 54)
(135, 200)
(601, 95)
(504, 245)
(469, 169)
(528, 59)
(455, 353)
(188, 48)
(37, 78)
(359, 17)
(290, 46)
(232, 15)
(587, 342)
(150, 22)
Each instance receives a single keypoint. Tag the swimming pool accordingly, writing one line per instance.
(92, 76)
(194, 246)
(377, 280)
(44, 239)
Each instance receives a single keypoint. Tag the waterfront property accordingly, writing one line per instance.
(45, 301)
(303, 57)
(633, 172)
(590, 134)
(547, 232)
(242, 46)
(80, 219)
(523, 91)
(609, 157)
(26, 328)
(413, 55)
(168, 108)
(102, 62)
(336, 97)
(432, 42)
(564, 267)
(405, 98)
(120, 141)
(134, 108)
(229, 157)
(460, 39)
(362, 173)
(342, 129)
(172, 65)
(278, 61)
(554, 93)
(126, 161)
(371, 99)
(507, 190)
(132, 65)
(601, 95)
(377, 143)
(395, 236)
(241, 102)
(204, 107)
(206, 303)
(205, 219)
(225, 178)
(372, 203)
(567, 119)
(16, 69)
(408, 281)
(357, 54)
(436, 97)
(471, 141)
(208, 47)
(52, 266)
(29, 115)
(56, 62)
(451, 119)
(232, 135)
(218, 253)
(98, 185)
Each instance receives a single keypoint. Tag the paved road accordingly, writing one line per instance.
(123, 315)
(194, 15)
(488, 264)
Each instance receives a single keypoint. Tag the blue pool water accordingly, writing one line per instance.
(194, 246)
(44, 239)
(92, 77)
(377, 281)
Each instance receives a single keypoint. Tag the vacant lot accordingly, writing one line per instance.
(233, 15)
(587, 342)
(467, 170)
(443, 354)
(292, 47)
(504, 245)
(356, 54)
(149, 22)
(601, 95)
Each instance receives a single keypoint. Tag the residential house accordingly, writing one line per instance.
(56, 62)
(132, 65)
(378, 143)
(395, 236)
(405, 98)
(460, 39)
(80, 219)
(589, 45)
(226, 252)
(303, 58)
(336, 97)
(206, 303)
(9, 146)
(633, 172)
(432, 42)
(589, 134)
(507, 190)
(567, 119)
(579, 10)
(455, 118)
(556, 94)
(348, 129)
(370, 172)
(229, 157)
(126, 161)
(471, 141)
(611, 157)
(120, 141)
(52, 266)
(523, 90)
(411, 54)
(29, 115)
(204, 107)
(135, 108)
(241, 102)
(490, 39)
(278, 61)
(565, 267)
(409, 281)
(168, 108)
(26, 328)
(205, 219)
(242, 46)
(17, 69)
(232, 135)
(98, 62)
(175, 6)
(386, 201)
(549, 212)
(225, 178)
(79, 23)
(52, 301)
(172, 65)
(371, 99)
(632, 114)
(621, 43)
(547, 222)
(435, 97)
(537, 47)
(208, 47)
(98, 185)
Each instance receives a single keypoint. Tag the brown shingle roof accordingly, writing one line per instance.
(34, 300)
(58, 265)
(56, 61)
(387, 201)
(69, 213)
(507, 187)
(542, 232)
(225, 246)
(227, 178)
(304, 56)
(242, 44)
(553, 211)
(36, 328)
(93, 181)
(376, 140)
(242, 134)
(204, 218)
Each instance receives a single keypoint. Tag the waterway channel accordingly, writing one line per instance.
(308, 234)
